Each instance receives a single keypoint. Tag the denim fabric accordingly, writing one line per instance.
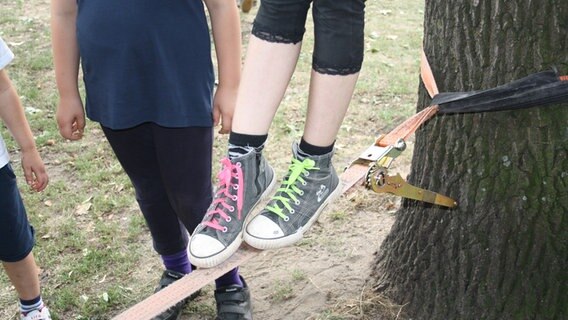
(338, 26)
(16, 234)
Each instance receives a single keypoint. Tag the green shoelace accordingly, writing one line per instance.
(288, 190)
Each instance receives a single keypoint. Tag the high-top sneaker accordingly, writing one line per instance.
(243, 183)
(310, 185)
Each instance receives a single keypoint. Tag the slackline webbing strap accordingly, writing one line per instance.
(410, 125)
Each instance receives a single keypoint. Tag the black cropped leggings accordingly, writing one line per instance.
(338, 30)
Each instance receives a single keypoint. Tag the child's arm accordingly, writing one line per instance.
(12, 113)
(70, 114)
(225, 23)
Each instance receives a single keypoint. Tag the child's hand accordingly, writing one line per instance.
(34, 170)
(224, 107)
(71, 118)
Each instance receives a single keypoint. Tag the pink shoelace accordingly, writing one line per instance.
(225, 177)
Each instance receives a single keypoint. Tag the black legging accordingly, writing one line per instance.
(170, 169)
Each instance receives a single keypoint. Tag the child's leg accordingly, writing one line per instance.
(24, 276)
(16, 238)
(266, 74)
(312, 182)
(16, 243)
(329, 98)
(184, 161)
(271, 58)
(337, 59)
(136, 151)
(139, 152)
(246, 178)
(184, 156)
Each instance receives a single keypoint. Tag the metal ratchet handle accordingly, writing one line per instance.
(398, 186)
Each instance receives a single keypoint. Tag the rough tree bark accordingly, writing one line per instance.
(503, 253)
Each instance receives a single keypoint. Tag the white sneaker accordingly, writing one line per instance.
(37, 314)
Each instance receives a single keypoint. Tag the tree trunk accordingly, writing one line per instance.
(503, 253)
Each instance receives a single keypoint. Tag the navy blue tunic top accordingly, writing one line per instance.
(146, 61)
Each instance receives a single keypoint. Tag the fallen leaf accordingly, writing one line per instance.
(83, 208)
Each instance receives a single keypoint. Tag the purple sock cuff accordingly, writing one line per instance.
(228, 279)
(177, 262)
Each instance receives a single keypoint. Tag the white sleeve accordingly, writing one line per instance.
(6, 55)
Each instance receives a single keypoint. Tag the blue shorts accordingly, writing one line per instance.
(16, 233)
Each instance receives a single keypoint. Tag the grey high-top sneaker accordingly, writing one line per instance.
(243, 183)
(310, 185)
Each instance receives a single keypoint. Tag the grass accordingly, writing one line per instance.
(92, 244)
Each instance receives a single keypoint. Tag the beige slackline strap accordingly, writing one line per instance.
(410, 125)
(184, 287)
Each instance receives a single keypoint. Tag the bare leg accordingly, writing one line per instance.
(329, 98)
(24, 276)
(267, 72)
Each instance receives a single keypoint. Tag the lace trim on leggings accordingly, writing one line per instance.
(264, 33)
(342, 71)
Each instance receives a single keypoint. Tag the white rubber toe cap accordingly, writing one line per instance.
(203, 246)
(264, 228)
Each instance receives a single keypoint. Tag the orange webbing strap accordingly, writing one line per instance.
(410, 125)
(184, 287)
(407, 128)
(563, 78)
(427, 76)
(352, 175)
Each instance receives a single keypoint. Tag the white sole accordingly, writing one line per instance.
(222, 256)
(263, 244)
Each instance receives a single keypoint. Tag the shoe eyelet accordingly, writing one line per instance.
(225, 229)
(286, 218)
(307, 174)
(297, 202)
(239, 164)
(236, 187)
(232, 209)
(292, 211)
(301, 192)
(304, 183)
(229, 219)
(234, 198)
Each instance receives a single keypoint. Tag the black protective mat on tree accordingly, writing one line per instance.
(535, 90)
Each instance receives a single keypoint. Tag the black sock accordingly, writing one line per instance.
(311, 150)
(241, 144)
